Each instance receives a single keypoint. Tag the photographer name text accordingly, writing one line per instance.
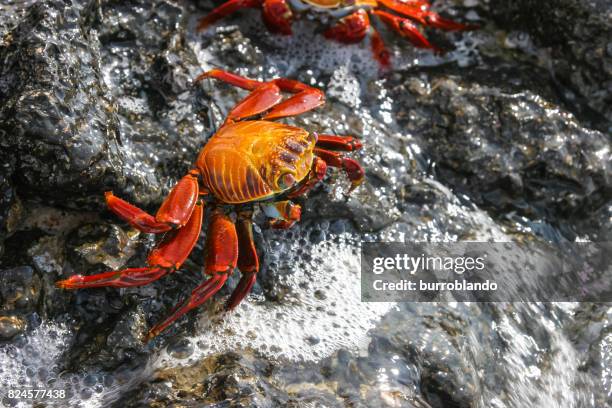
(411, 265)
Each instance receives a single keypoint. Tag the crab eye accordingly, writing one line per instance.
(286, 180)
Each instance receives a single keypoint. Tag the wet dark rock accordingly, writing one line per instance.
(19, 289)
(599, 225)
(125, 117)
(128, 333)
(225, 379)
(10, 326)
(231, 45)
(162, 121)
(577, 34)
(97, 99)
(432, 358)
(10, 205)
(119, 348)
(590, 332)
(234, 382)
(57, 118)
(508, 150)
(102, 245)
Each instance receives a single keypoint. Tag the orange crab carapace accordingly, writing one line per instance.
(353, 19)
(250, 161)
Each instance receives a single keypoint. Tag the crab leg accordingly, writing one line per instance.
(248, 261)
(277, 16)
(306, 98)
(405, 28)
(285, 84)
(226, 9)
(350, 29)
(304, 101)
(230, 78)
(353, 28)
(381, 53)
(167, 257)
(407, 8)
(198, 296)
(258, 101)
(353, 170)
(221, 257)
(420, 11)
(346, 143)
(173, 213)
(221, 244)
(432, 19)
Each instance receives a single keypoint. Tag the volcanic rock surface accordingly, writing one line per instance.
(507, 136)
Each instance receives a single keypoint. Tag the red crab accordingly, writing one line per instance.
(250, 161)
(353, 24)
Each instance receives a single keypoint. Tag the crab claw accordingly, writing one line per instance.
(277, 16)
(381, 53)
(354, 171)
(351, 29)
(346, 143)
(283, 213)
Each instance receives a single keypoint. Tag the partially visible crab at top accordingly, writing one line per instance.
(353, 19)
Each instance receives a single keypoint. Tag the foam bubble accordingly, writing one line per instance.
(308, 326)
(35, 361)
(32, 362)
